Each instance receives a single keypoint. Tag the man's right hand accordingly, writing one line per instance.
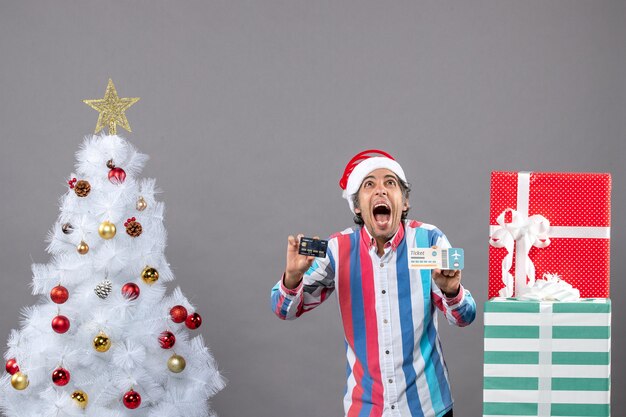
(297, 264)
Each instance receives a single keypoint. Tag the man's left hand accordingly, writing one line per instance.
(448, 281)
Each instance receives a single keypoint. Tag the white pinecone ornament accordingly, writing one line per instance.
(104, 288)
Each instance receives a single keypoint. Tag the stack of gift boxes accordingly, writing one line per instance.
(548, 320)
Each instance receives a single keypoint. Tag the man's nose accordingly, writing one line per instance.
(380, 190)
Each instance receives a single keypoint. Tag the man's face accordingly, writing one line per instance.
(381, 203)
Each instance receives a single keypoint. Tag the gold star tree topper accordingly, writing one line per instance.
(111, 109)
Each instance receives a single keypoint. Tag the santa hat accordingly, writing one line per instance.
(361, 165)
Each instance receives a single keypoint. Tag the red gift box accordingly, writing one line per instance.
(558, 223)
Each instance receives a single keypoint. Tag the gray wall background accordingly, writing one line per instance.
(250, 110)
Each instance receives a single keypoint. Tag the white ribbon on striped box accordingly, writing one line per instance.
(546, 357)
(524, 232)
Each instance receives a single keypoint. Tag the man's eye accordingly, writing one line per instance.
(391, 182)
(367, 184)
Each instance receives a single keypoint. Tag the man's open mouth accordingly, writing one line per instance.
(381, 213)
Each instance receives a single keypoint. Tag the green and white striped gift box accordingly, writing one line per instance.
(547, 358)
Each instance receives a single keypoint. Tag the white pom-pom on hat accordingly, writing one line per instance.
(361, 165)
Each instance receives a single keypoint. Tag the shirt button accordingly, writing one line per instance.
(393, 406)
(385, 321)
(387, 352)
(384, 292)
(391, 381)
(382, 264)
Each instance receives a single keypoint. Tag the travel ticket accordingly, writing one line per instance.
(428, 258)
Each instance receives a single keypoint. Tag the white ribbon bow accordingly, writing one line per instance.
(527, 232)
(550, 288)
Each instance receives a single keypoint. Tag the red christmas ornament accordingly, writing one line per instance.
(12, 367)
(59, 294)
(60, 324)
(132, 399)
(130, 290)
(117, 175)
(193, 321)
(72, 183)
(178, 314)
(167, 339)
(60, 377)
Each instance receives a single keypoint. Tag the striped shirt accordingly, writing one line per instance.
(395, 361)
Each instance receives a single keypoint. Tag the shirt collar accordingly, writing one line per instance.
(394, 242)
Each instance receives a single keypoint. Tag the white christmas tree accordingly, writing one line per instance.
(105, 339)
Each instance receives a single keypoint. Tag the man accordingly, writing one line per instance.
(396, 365)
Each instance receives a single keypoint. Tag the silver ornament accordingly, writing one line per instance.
(104, 288)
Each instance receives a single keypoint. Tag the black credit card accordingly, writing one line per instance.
(313, 247)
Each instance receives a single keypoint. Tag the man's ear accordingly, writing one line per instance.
(357, 210)
(406, 205)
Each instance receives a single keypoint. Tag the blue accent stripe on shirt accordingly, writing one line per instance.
(274, 301)
(434, 235)
(406, 325)
(275, 296)
(358, 322)
(348, 369)
(329, 253)
(423, 239)
(444, 389)
(468, 314)
(312, 268)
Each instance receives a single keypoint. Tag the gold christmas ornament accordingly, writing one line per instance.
(149, 275)
(176, 363)
(80, 398)
(82, 247)
(111, 109)
(102, 343)
(19, 381)
(141, 204)
(107, 230)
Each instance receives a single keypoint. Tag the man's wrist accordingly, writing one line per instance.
(452, 294)
(291, 281)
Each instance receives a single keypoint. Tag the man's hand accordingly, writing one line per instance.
(297, 264)
(448, 280)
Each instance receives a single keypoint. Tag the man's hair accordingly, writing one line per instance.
(405, 187)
